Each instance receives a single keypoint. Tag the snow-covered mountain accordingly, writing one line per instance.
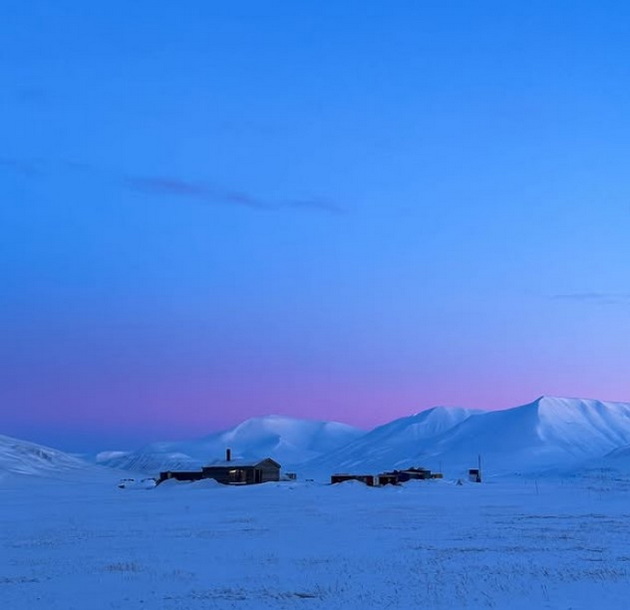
(25, 458)
(393, 444)
(549, 434)
(288, 440)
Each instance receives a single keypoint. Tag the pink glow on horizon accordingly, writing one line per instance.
(164, 409)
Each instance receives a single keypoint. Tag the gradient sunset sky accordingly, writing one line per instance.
(335, 210)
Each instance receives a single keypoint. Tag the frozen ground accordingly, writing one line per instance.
(510, 544)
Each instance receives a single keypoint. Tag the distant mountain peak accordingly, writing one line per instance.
(287, 439)
(444, 409)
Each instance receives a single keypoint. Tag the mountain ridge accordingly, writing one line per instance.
(19, 457)
(551, 433)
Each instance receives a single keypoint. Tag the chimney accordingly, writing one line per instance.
(228, 455)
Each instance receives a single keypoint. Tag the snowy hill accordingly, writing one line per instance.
(395, 443)
(288, 440)
(549, 434)
(25, 458)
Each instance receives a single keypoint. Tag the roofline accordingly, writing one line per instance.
(241, 464)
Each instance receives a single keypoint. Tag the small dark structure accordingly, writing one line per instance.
(229, 472)
(368, 479)
(474, 475)
(387, 479)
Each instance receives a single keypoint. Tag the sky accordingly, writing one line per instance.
(348, 211)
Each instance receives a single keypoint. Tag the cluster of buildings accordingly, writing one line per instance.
(241, 472)
(394, 477)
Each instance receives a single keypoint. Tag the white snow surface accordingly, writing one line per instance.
(70, 539)
(288, 440)
(507, 545)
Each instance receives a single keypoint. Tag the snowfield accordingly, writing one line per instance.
(556, 536)
(80, 543)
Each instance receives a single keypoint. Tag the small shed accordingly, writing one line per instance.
(474, 475)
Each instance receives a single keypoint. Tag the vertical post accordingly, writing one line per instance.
(228, 455)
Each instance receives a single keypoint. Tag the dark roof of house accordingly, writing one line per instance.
(240, 463)
(199, 472)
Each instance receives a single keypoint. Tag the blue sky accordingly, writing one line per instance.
(345, 211)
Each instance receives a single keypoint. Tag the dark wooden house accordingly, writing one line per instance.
(229, 472)
(238, 472)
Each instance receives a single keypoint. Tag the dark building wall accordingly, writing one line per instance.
(387, 479)
(368, 479)
(181, 475)
(261, 473)
(269, 471)
(412, 473)
(220, 473)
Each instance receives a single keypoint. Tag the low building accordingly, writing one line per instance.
(239, 472)
(368, 479)
(180, 475)
(411, 474)
(394, 477)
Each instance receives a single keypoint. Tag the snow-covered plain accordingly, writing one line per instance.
(78, 542)
(553, 536)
